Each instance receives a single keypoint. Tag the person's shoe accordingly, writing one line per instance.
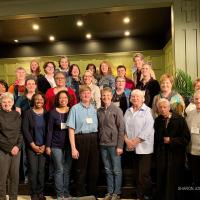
(26, 180)
(41, 197)
(115, 197)
(108, 196)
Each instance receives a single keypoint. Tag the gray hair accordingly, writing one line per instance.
(163, 101)
(138, 92)
(7, 95)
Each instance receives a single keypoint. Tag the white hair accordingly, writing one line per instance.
(163, 101)
(139, 93)
(7, 95)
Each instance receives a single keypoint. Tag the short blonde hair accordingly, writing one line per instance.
(166, 76)
(138, 55)
(84, 88)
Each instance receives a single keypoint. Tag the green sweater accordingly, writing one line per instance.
(10, 130)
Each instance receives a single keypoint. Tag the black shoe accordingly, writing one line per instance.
(41, 197)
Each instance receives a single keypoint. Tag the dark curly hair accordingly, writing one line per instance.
(56, 101)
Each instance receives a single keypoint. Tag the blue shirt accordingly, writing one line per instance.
(83, 119)
(39, 129)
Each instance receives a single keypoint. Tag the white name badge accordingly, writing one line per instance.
(194, 130)
(63, 125)
(117, 103)
(89, 120)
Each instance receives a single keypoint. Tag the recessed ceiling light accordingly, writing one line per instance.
(126, 20)
(35, 27)
(127, 33)
(88, 36)
(16, 41)
(51, 38)
(79, 23)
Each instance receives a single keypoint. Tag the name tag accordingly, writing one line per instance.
(117, 103)
(194, 130)
(63, 125)
(89, 120)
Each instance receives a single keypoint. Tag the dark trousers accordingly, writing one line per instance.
(143, 179)
(9, 170)
(87, 164)
(36, 172)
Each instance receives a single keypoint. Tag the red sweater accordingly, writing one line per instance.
(50, 97)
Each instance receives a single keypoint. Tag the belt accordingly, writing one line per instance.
(82, 133)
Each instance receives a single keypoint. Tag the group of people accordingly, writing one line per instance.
(76, 120)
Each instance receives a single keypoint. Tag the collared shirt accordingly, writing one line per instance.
(139, 124)
(83, 119)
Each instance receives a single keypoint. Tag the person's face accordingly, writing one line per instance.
(34, 66)
(104, 68)
(2, 89)
(164, 109)
(75, 71)
(120, 83)
(197, 101)
(121, 72)
(197, 86)
(166, 85)
(87, 78)
(63, 100)
(91, 68)
(7, 104)
(31, 86)
(138, 63)
(106, 97)
(49, 68)
(39, 101)
(60, 80)
(145, 70)
(136, 100)
(85, 96)
(20, 74)
(64, 63)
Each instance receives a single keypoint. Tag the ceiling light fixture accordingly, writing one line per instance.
(126, 20)
(16, 41)
(51, 38)
(88, 36)
(35, 27)
(127, 33)
(79, 23)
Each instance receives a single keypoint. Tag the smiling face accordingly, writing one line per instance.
(7, 104)
(137, 99)
(21, 74)
(120, 83)
(85, 96)
(64, 63)
(104, 68)
(38, 101)
(146, 70)
(75, 71)
(138, 63)
(87, 78)
(49, 69)
(31, 86)
(166, 85)
(34, 66)
(106, 97)
(197, 86)
(121, 72)
(60, 80)
(2, 89)
(197, 100)
(63, 99)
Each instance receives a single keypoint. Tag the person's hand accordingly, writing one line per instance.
(48, 151)
(75, 153)
(135, 141)
(15, 150)
(35, 148)
(129, 143)
(42, 149)
(166, 140)
(119, 151)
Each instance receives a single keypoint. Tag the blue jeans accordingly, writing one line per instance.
(112, 165)
(62, 164)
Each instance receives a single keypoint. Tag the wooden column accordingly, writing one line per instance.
(186, 36)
